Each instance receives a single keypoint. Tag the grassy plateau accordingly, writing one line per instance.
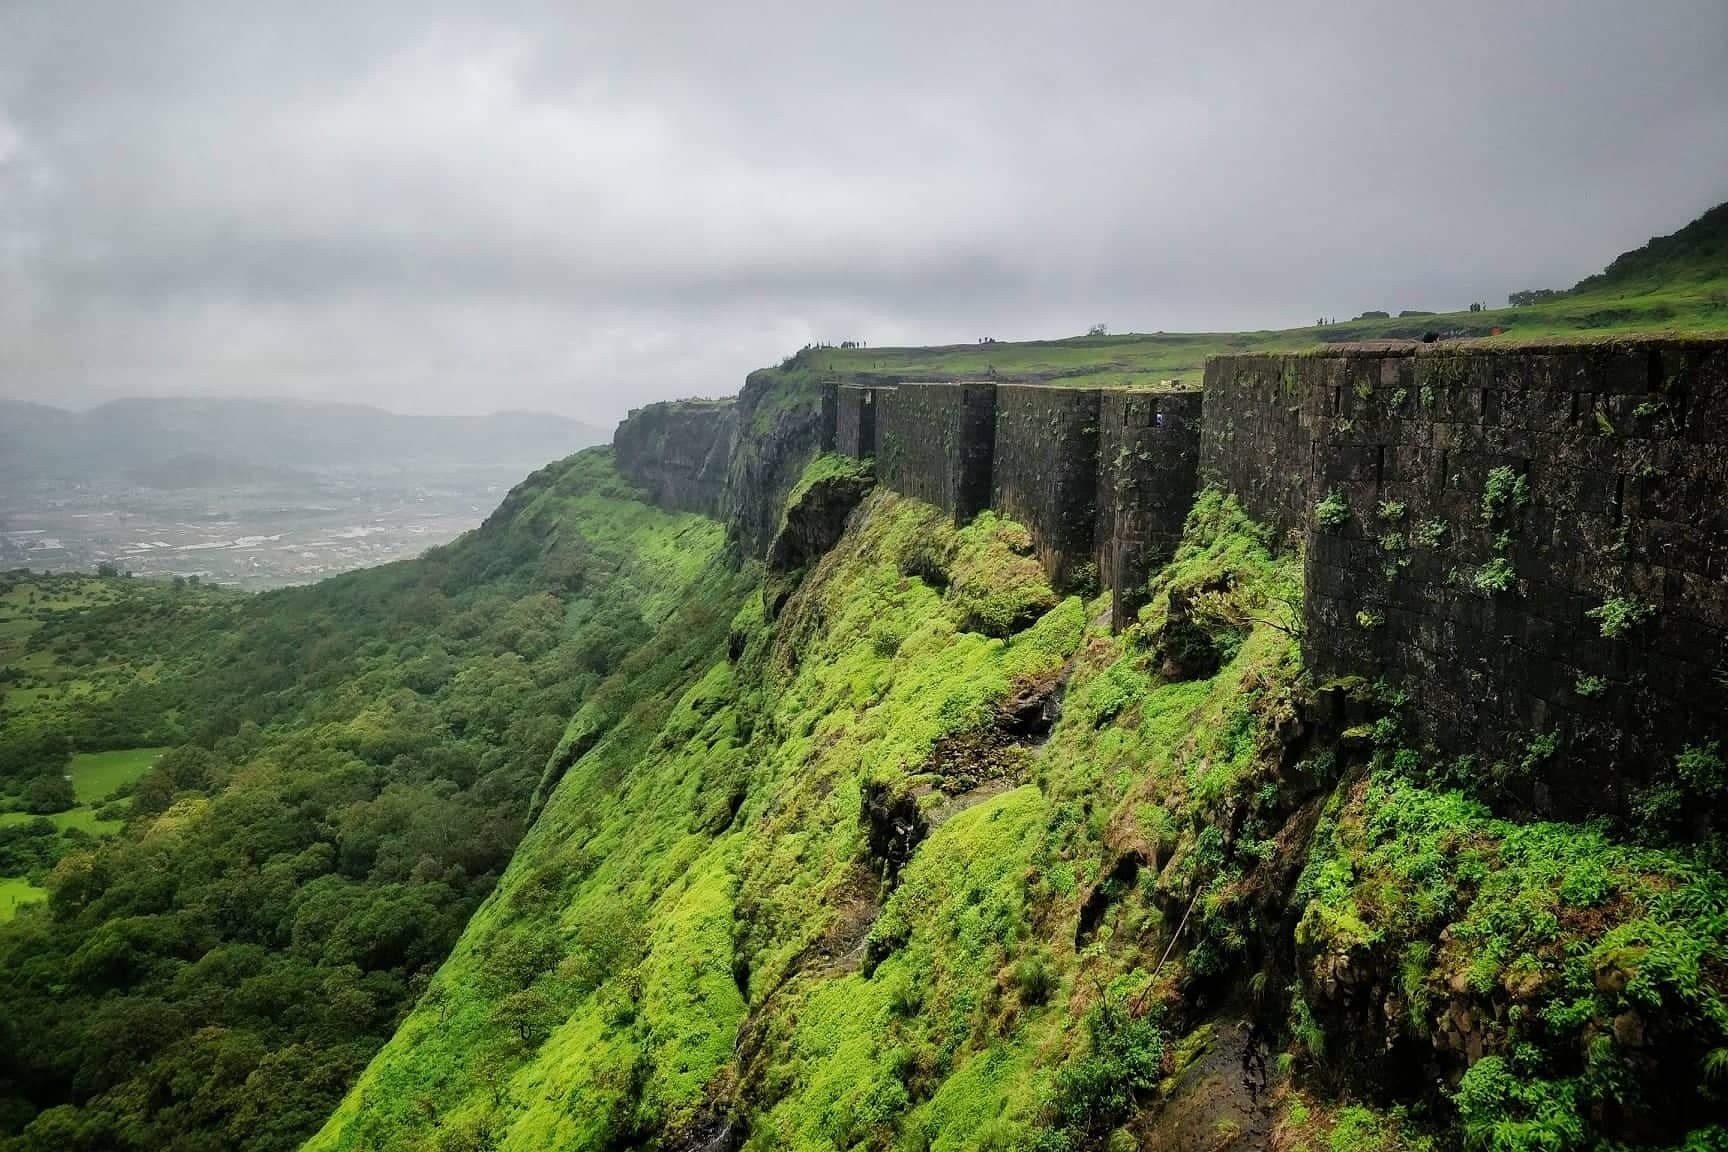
(1676, 284)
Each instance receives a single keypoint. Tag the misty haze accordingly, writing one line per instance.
(875, 578)
(255, 493)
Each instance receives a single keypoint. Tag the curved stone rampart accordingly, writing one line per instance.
(1148, 457)
(936, 442)
(1045, 475)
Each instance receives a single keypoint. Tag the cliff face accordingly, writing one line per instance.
(1526, 541)
(678, 452)
(785, 420)
(733, 459)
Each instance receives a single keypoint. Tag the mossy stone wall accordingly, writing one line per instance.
(1531, 542)
(1148, 457)
(936, 441)
(1257, 436)
(855, 434)
(1101, 478)
(1046, 474)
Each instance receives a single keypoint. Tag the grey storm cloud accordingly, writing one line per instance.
(578, 207)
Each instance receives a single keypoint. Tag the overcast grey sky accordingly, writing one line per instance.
(580, 206)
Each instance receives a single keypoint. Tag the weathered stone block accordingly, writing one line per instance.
(855, 420)
(1148, 459)
(935, 442)
(1046, 474)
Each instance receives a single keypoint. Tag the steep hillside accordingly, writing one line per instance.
(918, 853)
(348, 769)
(928, 858)
(1698, 252)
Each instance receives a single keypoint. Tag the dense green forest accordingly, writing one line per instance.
(348, 768)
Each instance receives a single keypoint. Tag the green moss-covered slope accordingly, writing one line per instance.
(851, 884)
(702, 858)
(879, 844)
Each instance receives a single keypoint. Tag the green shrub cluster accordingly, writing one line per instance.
(1585, 943)
(1099, 1088)
(1332, 511)
(1504, 492)
(1618, 615)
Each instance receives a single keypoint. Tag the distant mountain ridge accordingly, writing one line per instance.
(234, 437)
(202, 470)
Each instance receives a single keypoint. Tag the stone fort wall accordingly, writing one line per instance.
(936, 442)
(1533, 542)
(1148, 460)
(1101, 478)
(1046, 475)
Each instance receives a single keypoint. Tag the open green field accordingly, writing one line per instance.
(15, 892)
(1145, 359)
(82, 818)
(1675, 285)
(30, 602)
(41, 594)
(96, 774)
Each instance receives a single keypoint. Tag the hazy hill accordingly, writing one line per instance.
(1698, 251)
(135, 436)
(203, 470)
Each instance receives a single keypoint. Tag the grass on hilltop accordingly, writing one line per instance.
(1675, 284)
(95, 775)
